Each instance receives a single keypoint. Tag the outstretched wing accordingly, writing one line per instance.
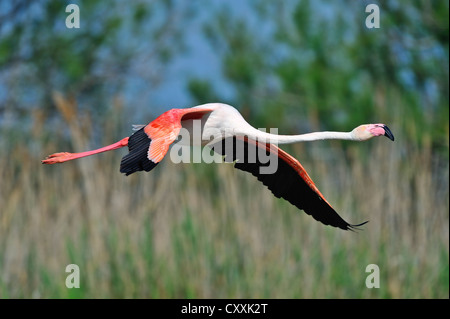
(289, 181)
(148, 146)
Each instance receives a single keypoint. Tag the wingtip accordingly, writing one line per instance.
(355, 227)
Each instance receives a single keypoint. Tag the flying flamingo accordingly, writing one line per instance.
(150, 143)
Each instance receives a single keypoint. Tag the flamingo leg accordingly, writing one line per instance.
(65, 156)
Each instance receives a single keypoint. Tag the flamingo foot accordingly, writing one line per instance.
(58, 158)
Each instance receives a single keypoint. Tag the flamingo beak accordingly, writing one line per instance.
(388, 133)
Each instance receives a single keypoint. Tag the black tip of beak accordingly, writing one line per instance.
(388, 133)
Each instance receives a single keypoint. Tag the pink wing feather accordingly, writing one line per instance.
(164, 130)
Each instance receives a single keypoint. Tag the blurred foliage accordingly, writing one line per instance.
(116, 43)
(316, 60)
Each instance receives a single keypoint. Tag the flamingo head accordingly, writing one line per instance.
(367, 131)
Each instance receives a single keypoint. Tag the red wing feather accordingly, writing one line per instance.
(148, 146)
(164, 130)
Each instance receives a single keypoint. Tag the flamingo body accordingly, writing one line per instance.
(222, 124)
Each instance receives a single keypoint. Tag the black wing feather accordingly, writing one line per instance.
(284, 183)
(137, 158)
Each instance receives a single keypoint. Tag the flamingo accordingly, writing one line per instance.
(221, 124)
